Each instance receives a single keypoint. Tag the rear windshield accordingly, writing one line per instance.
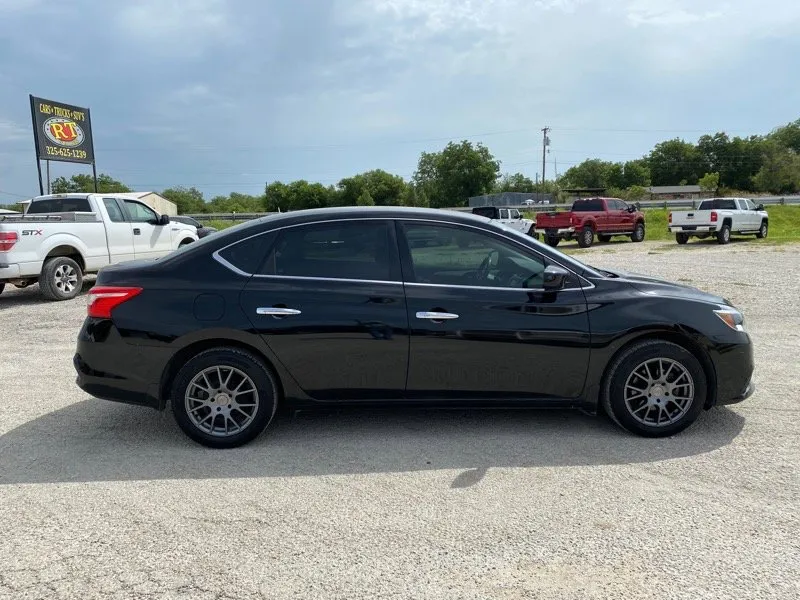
(718, 205)
(54, 205)
(589, 205)
(484, 211)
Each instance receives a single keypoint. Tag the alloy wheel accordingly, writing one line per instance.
(221, 401)
(659, 392)
(66, 279)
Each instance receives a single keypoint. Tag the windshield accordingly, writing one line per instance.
(589, 205)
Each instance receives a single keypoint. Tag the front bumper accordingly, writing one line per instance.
(734, 366)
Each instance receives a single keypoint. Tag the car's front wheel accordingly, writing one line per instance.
(763, 230)
(655, 389)
(224, 397)
(638, 233)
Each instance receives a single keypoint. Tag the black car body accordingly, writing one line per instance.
(202, 230)
(312, 308)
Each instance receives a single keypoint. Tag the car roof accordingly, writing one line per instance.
(373, 212)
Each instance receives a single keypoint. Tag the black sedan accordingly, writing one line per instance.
(202, 230)
(313, 308)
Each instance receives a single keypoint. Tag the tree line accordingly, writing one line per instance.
(719, 163)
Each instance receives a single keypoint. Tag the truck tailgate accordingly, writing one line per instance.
(691, 218)
(553, 220)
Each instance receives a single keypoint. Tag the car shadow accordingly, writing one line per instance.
(32, 295)
(94, 440)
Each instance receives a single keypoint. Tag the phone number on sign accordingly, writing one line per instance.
(66, 152)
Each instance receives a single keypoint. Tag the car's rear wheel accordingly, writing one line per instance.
(763, 230)
(638, 233)
(602, 237)
(532, 232)
(224, 397)
(61, 278)
(2, 287)
(552, 240)
(724, 234)
(655, 389)
(681, 238)
(586, 237)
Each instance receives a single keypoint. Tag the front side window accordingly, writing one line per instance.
(139, 212)
(749, 205)
(514, 213)
(361, 250)
(469, 257)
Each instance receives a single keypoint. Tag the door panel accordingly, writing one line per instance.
(501, 340)
(119, 232)
(149, 241)
(341, 327)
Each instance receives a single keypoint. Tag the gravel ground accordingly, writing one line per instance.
(102, 500)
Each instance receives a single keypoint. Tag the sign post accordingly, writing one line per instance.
(61, 132)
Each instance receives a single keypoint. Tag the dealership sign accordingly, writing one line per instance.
(62, 132)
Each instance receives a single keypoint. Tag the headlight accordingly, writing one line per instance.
(731, 317)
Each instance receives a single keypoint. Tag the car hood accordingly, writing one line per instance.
(662, 287)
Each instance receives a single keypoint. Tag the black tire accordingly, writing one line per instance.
(622, 412)
(185, 243)
(586, 237)
(602, 237)
(2, 287)
(681, 238)
(552, 240)
(532, 232)
(763, 230)
(724, 234)
(266, 390)
(61, 278)
(638, 232)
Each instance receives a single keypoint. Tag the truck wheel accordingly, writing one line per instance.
(638, 233)
(532, 232)
(724, 234)
(586, 237)
(681, 238)
(2, 287)
(602, 237)
(762, 231)
(552, 241)
(61, 278)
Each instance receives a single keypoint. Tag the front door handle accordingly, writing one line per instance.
(137, 231)
(277, 311)
(436, 316)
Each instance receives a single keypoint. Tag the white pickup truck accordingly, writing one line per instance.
(720, 217)
(63, 236)
(510, 217)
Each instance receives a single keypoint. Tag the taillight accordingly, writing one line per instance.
(7, 240)
(104, 299)
(670, 217)
(713, 216)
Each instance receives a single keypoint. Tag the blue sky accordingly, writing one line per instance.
(226, 95)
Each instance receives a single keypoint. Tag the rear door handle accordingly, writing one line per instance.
(137, 231)
(277, 311)
(436, 316)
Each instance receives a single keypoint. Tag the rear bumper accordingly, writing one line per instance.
(690, 229)
(8, 271)
(108, 386)
(553, 231)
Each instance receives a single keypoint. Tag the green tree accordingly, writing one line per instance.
(636, 173)
(365, 199)
(788, 136)
(276, 197)
(709, 182)
(636, 192)
(459, 171)
(514, 183)
(235, 202)
(188, 201)
(80, 183)
(780, 172)
(385, 188)
(674, 161)
(592, 173)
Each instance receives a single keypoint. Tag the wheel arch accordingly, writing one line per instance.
(182, 356)
(678, 337)
(70, 252)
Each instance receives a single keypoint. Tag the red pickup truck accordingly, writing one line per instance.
(604, 217)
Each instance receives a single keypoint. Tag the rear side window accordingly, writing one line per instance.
(485, 211)
(361, 250)
(590, 205)
(53, 205)
(248, 255)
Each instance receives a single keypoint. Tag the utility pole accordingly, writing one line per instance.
(545, 144)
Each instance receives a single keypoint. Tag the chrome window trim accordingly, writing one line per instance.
(216, 256)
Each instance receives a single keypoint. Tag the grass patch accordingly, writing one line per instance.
(220, 224)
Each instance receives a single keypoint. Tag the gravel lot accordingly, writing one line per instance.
(101, 500)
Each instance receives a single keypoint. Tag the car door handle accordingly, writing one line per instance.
(137, 231)
(436, 316)
(277, 311)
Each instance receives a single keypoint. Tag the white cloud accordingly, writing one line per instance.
(11, 132)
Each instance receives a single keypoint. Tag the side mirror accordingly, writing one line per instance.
(554, 277)
(631, 209)
(164, 220)
(519, 216)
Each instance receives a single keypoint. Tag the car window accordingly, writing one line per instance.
(484, 211)
(53, 205)
(139, 212)
(750, 205)
(719, 204)
(248, 255)
(589, 205)
(503, 213)
(452, 255)
(514, 213)
(620, 205)
(339, 250)
(113, 210)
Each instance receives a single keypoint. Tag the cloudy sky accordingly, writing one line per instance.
(226, 95)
